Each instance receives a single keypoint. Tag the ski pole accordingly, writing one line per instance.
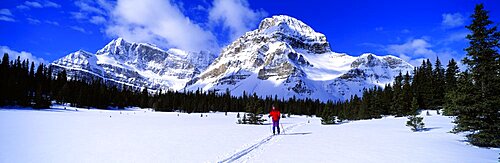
(270, 125)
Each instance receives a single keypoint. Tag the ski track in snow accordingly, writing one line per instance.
(264, 141)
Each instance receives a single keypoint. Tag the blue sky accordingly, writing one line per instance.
(46, 30)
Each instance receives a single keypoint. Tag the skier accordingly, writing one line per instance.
(275, 113)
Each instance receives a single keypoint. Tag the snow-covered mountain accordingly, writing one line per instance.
(283, 57)
(286, 57)
(136, 64)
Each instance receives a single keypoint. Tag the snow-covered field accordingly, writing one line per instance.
(139, 135)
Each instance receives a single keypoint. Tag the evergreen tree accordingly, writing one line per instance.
(32, 84)
(386, 100)
(418, 84)
(41, 99)
(4, 66)
(414, 121)
(144, 97)
(60, 86)
(479, 112)
(327, 117)
(438, 86)
(243, 120)
(407, 95)
(397, 98)
(451, 85)
(5, 60)
(427, 85)
(451, 75)
(254, 111)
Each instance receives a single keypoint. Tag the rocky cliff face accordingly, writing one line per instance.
(286, 57)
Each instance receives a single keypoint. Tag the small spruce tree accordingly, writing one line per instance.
(244, 120)
(414, 121)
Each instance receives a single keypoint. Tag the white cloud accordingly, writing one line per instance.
(97, 20)
(39, 4)
(5, 12)
(159, 22)
(200, 8)
(452, 20)
(105, 5)
(379, 29)
(413, 51)
(415, 46)
(22, 7)
(78, 15)
(162, 22)
(235, 15)
(52, 22)
(79, 29)
(455, 37)
(51, 4)
(24, 55)
(6, 15)
(33, 21)
(33, 4)
(5, 18)
(416, 50)
(89, 7)
(95, 12)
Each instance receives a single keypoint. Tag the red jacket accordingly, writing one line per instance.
(275, 114)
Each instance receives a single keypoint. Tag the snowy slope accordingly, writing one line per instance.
(136, 64)
(286, 57)
(139, 135)
(379, 140)
(367, 71)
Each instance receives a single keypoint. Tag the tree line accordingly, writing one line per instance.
(24, 86)
(426, 88)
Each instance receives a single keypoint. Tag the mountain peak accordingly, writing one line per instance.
(289, 25)
(118, 41)
(283, 28)
(279, 20)
(83, 51)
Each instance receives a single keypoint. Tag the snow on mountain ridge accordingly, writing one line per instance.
(367, 71)
(291, 26)
(285, 57)
(137, 64)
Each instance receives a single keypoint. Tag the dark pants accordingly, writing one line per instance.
(276, 124)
